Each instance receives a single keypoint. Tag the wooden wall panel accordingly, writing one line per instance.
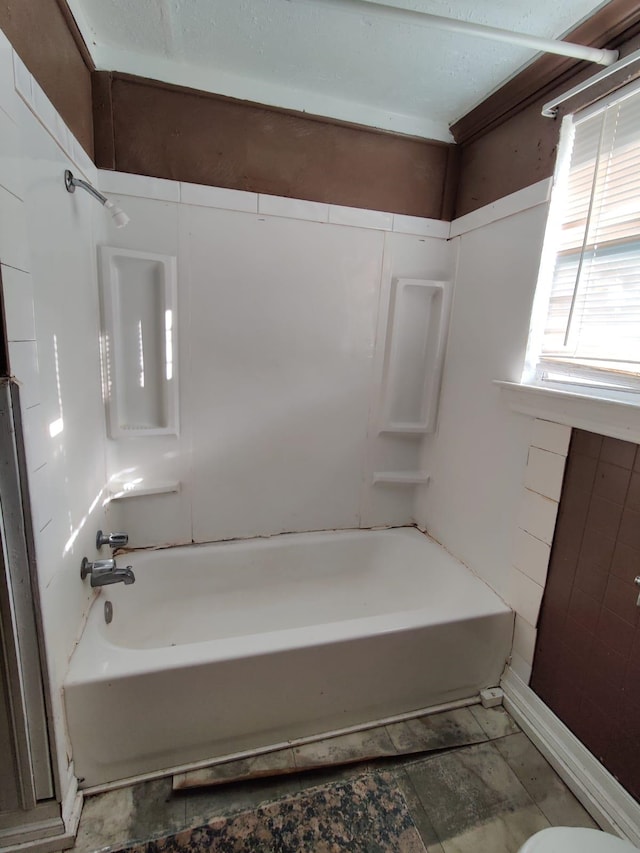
(46, 38)
(147, 127)
(170, 132)
(588, 646)
(505, 143)
(514, 155)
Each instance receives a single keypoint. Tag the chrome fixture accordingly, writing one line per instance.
(113, 540)
(120, 218)
(636, 581)
(108, 612)
(105, 572)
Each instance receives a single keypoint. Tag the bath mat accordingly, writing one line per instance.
(363, 815)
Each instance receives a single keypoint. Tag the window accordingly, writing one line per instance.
(586, 321)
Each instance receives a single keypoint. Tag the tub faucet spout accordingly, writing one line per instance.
(104, 572)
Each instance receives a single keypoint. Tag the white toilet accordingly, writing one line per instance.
(571, 839)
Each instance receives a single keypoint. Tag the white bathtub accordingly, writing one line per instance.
(221, 648)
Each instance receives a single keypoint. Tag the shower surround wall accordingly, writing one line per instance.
(282, 316)
(477, 458)
(47, 251)
(249, 469)
(495, 474)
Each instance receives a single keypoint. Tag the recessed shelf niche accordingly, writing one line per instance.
(415, 352)
(139, 346)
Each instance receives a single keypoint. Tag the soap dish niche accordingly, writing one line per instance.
(139, 301)
(416, 336)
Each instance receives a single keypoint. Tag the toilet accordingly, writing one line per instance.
(571, 839)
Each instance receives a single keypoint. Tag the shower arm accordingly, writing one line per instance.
(71, 183)
(119, 217)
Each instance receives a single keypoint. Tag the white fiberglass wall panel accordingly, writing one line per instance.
(282, 336)
(478, 456)
(282, 331)
(52, 317)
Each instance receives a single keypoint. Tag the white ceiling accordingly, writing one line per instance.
(330, 61)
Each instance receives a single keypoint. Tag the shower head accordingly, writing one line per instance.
(118, 215)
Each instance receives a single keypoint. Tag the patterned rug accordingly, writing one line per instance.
(362, 815)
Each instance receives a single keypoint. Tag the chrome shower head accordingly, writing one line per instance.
(118, 215)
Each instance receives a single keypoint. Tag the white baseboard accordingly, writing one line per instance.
(53, 834)
(54, 844)
(602, 795)
(72, 807)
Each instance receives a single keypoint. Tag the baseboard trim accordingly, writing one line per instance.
(72, 808)
(44, 845)
(54, 835)
(602, 795)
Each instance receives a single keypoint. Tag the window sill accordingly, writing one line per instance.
(615, 418)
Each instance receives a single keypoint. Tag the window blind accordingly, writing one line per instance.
(592, 331)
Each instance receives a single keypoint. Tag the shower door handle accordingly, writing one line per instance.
(637, 583)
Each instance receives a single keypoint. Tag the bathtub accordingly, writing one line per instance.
(227, 647)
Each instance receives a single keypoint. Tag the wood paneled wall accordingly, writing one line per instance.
(152, 128)
(506, 144)
(588, 646)
(45, 36)
(148, 127)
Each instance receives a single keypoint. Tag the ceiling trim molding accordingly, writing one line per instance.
(76, 34)
(611, 26)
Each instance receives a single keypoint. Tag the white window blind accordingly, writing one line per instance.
(592, 330)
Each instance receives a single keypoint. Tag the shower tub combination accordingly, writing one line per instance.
(223, 648)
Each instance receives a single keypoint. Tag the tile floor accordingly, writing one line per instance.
(481, 786)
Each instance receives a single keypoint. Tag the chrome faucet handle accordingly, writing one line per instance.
(87, 567)
(113, 540)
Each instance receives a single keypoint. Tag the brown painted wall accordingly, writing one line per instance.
(151, 128)
(505, 143)
(587, 655)
(147, 127)
(522, 150)
(517, 153)
(45, 37)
